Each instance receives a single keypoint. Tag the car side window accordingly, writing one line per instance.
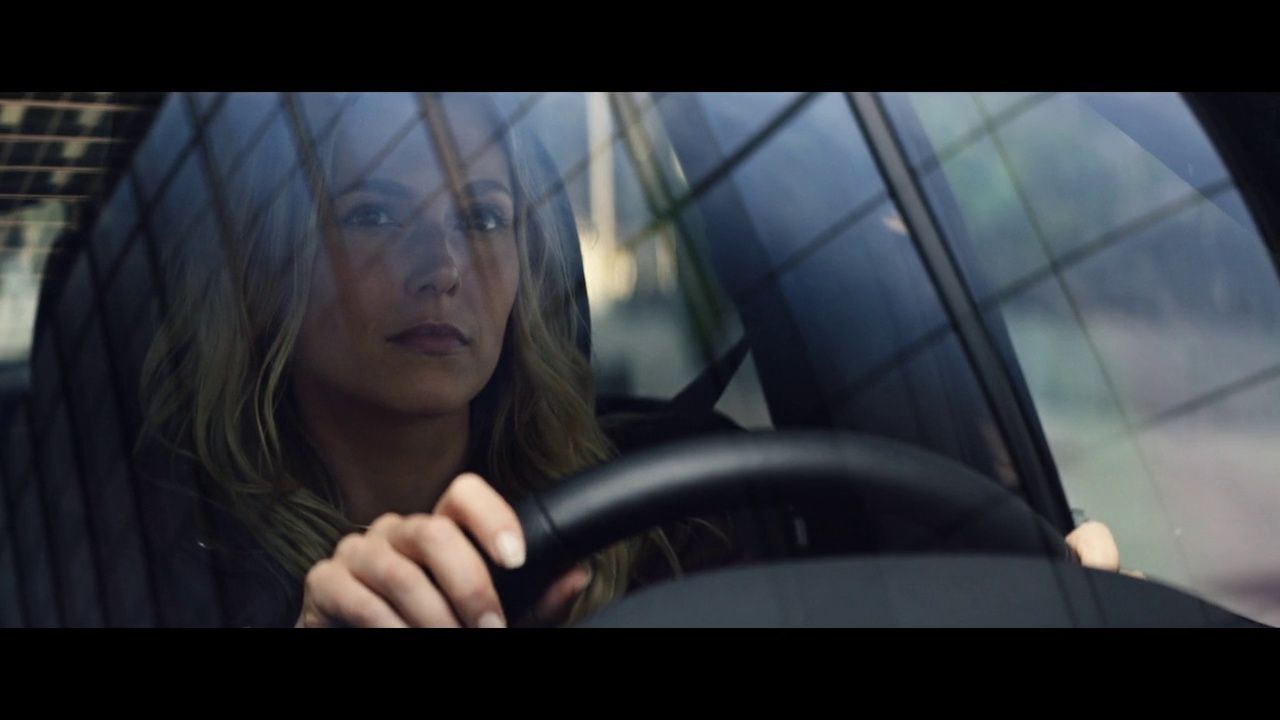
(1103, 231)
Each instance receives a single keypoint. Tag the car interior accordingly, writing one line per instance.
(903, 475)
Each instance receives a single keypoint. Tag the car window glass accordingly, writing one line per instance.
(1104, 232)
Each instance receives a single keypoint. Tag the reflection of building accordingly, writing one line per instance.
(60, 157)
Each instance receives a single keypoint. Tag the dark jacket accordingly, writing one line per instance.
(251, 590)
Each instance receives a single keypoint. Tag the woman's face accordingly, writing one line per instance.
(413, 282)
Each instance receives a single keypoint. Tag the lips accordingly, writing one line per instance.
(431, 339)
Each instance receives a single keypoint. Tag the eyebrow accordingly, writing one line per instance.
(476, 188)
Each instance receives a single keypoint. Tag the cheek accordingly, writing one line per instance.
(340, 305)
(323, 305)
(497, 278)
(319, 322)
(510, 277)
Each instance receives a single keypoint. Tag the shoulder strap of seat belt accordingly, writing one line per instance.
(704, 392)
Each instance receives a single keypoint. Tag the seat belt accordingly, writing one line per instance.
(702, 394)
(776, 531)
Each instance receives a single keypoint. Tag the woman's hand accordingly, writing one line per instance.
(423, 571)
(1096, 547)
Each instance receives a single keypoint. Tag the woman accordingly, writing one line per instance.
(377, 355)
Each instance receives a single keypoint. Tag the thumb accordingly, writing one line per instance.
(1095, 545)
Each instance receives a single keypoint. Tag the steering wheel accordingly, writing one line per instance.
(906, 500)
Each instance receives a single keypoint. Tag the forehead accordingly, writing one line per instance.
(388, 136)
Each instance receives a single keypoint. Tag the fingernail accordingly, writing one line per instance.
(510, 549)
(491, 620)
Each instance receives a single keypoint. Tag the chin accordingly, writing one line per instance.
(428, 403)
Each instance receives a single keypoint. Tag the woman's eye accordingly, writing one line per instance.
(483, 219)
(368, 216)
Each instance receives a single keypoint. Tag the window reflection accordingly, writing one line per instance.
(804, 238)
(1104, 232)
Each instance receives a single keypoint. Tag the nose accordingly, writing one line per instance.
(434, 266)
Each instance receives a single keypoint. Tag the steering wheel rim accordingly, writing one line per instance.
(914, 500)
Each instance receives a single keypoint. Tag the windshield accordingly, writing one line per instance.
(216, 304)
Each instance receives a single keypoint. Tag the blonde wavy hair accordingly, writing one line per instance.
(216, 380)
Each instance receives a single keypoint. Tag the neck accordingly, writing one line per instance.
(384, 462)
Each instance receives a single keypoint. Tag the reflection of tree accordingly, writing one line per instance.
(707, 308)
